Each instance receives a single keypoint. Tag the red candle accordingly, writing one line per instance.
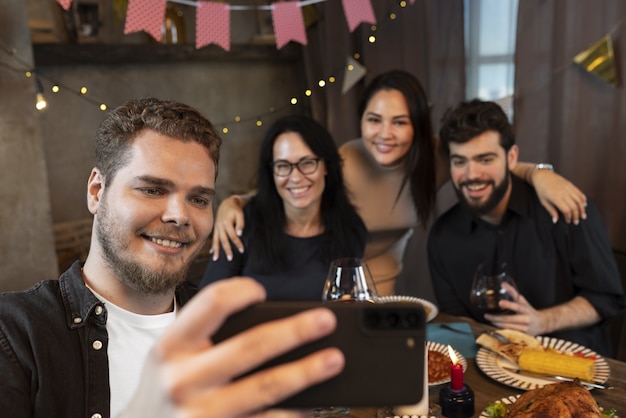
(456, 371)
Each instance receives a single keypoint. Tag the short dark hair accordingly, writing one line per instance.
(122, 125)
(470, 119)
(420, 161)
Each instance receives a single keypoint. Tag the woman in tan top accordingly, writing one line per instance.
(393, 173)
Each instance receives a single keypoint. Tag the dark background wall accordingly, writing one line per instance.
(46, 157)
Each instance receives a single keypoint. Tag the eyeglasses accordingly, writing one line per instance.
(282, 168)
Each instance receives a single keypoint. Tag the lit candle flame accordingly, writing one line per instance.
(453, 357)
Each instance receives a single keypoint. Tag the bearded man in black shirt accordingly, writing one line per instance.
(567, 280)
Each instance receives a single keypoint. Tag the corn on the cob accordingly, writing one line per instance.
(557, 364)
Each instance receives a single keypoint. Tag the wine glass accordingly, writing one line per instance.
(349, 280)
(487, 290)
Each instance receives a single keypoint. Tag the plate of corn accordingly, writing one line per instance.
(558, 358)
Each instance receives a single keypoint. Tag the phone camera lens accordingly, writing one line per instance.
(373, 320)
(412, 320)
(393, 320)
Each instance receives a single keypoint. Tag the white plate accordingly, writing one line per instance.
(442, 348)
(492, 365)
(429, 307)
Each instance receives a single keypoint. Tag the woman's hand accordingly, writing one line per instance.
(186, 375)
(229, 224)
(557, 194)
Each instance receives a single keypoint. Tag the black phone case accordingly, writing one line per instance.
(384, 347)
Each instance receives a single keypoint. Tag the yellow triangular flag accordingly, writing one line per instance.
(352, 74)
(599, 60)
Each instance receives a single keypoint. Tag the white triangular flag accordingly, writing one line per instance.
(352, 74)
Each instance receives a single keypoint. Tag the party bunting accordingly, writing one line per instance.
(506, 103)
(65, 4)
(599, 60)
(213, 19)
(288, 23)
(358, 11)
(353, 73)
(212, 24)
(147, 15)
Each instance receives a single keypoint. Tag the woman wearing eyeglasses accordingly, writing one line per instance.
(300, 219)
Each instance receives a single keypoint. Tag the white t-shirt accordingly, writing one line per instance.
(130, 338)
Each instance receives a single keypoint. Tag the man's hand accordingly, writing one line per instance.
(229, 224)
(575, 313)
(557, 194)
(186, 375)
(525, 318)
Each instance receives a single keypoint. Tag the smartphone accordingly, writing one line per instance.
(383, 346)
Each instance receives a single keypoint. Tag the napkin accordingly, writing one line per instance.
(462, 341)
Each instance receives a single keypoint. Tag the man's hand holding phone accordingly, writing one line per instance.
(186, 374)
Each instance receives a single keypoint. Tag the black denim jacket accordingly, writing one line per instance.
(53, 350)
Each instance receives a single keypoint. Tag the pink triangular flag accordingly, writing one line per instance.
(288, 23)
(212, 24)
(147, 15)
(65, 4)
(358, 11)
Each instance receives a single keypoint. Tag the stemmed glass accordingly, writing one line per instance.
(349, 280)
(487, 290)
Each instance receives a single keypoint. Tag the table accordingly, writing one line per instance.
(487, 390)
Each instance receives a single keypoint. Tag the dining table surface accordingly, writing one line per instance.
(487, 390)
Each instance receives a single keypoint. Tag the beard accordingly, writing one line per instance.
(116, 254)
(497, 194)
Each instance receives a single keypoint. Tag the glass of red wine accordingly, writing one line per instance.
(487, 290)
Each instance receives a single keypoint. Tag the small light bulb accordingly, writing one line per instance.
(294, 101)
(103, 107)
(308, 92)
(83, 90)
(224, 130)
(371, 39)
(40, 103)
(56, 89)
(321, 83)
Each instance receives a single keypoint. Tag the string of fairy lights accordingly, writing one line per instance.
(83, 93)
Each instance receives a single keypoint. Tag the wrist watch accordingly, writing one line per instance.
(544, 166)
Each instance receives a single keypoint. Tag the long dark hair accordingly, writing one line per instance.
(339, 218)
(420, 160)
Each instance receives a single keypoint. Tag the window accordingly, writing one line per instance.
(490, 28)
